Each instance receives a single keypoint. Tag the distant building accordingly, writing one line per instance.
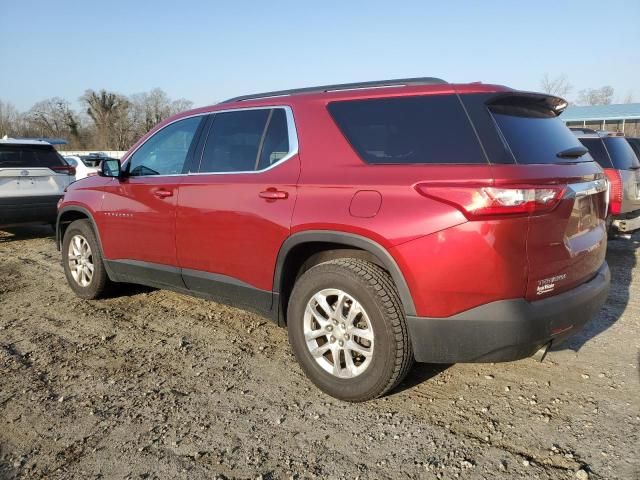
(624, 117)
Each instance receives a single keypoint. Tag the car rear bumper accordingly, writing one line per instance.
(507, 330)
(21, 210)
(627, 222)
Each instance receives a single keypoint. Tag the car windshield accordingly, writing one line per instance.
(92, 161)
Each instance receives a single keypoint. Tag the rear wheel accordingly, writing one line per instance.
(82, 261)
(347, 329)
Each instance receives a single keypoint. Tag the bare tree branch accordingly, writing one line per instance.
(558, 86)
(595, 96)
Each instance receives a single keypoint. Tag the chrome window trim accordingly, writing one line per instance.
(291, 131)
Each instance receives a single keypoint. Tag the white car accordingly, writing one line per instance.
(33, 176)
(85, 166)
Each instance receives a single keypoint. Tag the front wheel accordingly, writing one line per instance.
(82, 261)
(347, 329)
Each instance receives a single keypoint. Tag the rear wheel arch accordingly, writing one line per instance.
(303, 250)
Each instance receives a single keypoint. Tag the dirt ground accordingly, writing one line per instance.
(154, 384)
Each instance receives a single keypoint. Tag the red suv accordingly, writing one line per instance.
(381, 222)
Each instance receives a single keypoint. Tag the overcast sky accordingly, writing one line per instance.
(207, 51)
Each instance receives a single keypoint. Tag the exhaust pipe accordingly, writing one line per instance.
(541, 353)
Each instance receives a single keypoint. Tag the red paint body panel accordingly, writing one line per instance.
(225, 227)
(86, 193)
(465, 266)
(136, 224)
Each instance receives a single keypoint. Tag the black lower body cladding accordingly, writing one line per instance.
(507, 330)
(21, 210)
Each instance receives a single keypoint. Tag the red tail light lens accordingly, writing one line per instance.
(68, 169)
(615, 190)
(482, 202)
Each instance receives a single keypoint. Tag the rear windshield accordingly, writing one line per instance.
(29, 156)
(93, 161)
(635, 144)
(622, 155)
(535, 136)
(597, 151)
(409, 130)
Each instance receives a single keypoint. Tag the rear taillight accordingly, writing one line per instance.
(615, 190)
(482, 202)
(68, 169)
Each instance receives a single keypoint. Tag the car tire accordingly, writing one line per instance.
(370, 308)
(87, 257)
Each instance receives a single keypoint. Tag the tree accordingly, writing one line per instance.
(107, 121)
(149, 109)
(558, 86)
(108, 111)
(595, 96)
(180, 105)
(53, 118)
(9, 118)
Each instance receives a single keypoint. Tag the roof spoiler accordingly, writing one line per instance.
(549, 105)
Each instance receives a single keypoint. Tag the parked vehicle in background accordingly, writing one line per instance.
(616, 156)
(33, 177)
(635, 144)
(380, 222)
(84, 168)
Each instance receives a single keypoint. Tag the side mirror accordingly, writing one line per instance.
(110, 168)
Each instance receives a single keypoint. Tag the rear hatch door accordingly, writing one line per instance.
(32, 170)
(566, 246)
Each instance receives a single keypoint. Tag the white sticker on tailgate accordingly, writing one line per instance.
(547, 285)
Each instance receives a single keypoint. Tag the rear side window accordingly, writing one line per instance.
(533, 132)
(245, 141)
(597, 151)
(621, 153)
(410, 130)
(275, 145)
(29, 156)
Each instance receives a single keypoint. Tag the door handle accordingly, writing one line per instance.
(273, 194)
(162, 193)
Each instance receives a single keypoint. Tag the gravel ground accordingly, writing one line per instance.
(153, 384)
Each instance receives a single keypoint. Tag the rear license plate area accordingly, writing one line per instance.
(584, 216)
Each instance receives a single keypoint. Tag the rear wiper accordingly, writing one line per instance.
(573, 152)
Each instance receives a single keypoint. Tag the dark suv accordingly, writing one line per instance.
(380, 222)
(616, 156)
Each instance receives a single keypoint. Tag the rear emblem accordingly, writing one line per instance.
(24, 173)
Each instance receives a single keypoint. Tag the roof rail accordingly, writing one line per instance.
(399, 82)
